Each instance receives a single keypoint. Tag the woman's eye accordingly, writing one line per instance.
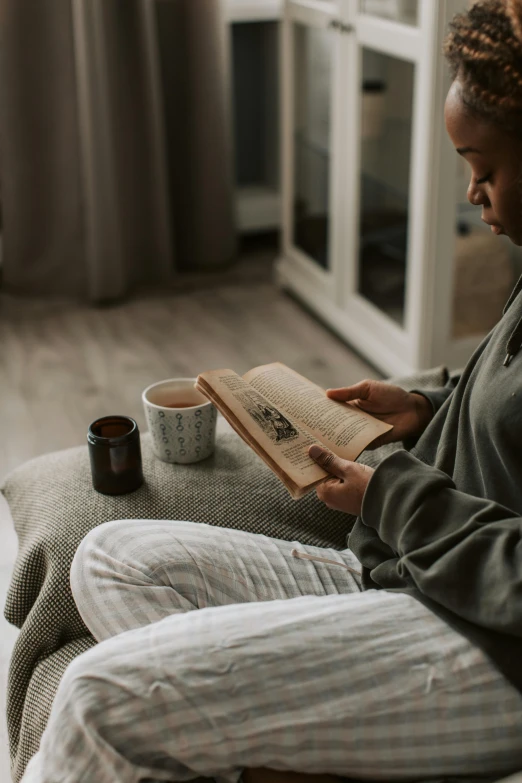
(482, 180)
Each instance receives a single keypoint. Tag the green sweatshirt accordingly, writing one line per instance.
(444, 522)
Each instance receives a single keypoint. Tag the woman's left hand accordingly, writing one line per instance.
(346, 491)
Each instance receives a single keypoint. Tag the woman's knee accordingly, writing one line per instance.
(93, 690)
(78, 686)
(126, 550)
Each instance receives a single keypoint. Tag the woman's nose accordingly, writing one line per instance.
(476, 195)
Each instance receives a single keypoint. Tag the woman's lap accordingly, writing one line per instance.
(143, 571)
(369, 685)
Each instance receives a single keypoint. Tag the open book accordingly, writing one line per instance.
(280, 415)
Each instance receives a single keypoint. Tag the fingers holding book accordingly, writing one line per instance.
(344, 491)
(280, 415)
(409, 413)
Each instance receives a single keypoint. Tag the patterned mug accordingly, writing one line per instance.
(182, 422)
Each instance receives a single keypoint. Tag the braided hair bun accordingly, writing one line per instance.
(514, 12)
(484, 49)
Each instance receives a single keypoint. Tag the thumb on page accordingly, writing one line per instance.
(328, 460)
(359, 391)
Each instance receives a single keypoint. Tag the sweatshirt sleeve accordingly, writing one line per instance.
(437, 397)
(461, 551)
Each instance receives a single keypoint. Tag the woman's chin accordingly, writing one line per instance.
(516, 239)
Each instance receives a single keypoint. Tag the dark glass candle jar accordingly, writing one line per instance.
(115, 454)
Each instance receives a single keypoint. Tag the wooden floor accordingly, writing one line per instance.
(62, 365)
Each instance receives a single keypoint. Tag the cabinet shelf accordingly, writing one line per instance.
(258, 208)
(254, 10)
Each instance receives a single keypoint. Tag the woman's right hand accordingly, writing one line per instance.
(409, 413)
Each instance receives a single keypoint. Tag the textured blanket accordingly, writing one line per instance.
(54, 506)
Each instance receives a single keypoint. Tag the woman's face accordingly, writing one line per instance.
(495, 158)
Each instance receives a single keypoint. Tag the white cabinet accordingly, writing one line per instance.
(377, 237)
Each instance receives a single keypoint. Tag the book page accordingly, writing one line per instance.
(341, 427)
(280, 441)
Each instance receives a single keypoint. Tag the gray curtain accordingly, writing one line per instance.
(115, 145)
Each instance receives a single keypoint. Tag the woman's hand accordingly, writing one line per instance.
(346, 491)
(409, 413)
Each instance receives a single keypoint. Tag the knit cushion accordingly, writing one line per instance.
(54, 506)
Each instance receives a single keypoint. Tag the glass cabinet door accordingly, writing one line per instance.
(312, 141)
(385, 152)
(312, 42)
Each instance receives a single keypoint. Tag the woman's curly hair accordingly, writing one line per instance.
(484, 49)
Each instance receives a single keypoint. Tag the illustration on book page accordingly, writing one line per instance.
(269, 418)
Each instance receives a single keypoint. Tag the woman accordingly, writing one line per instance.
(399, 660)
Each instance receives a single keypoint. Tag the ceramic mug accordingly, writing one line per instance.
(182, 422)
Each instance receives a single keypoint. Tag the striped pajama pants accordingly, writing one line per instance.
(287, 665)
